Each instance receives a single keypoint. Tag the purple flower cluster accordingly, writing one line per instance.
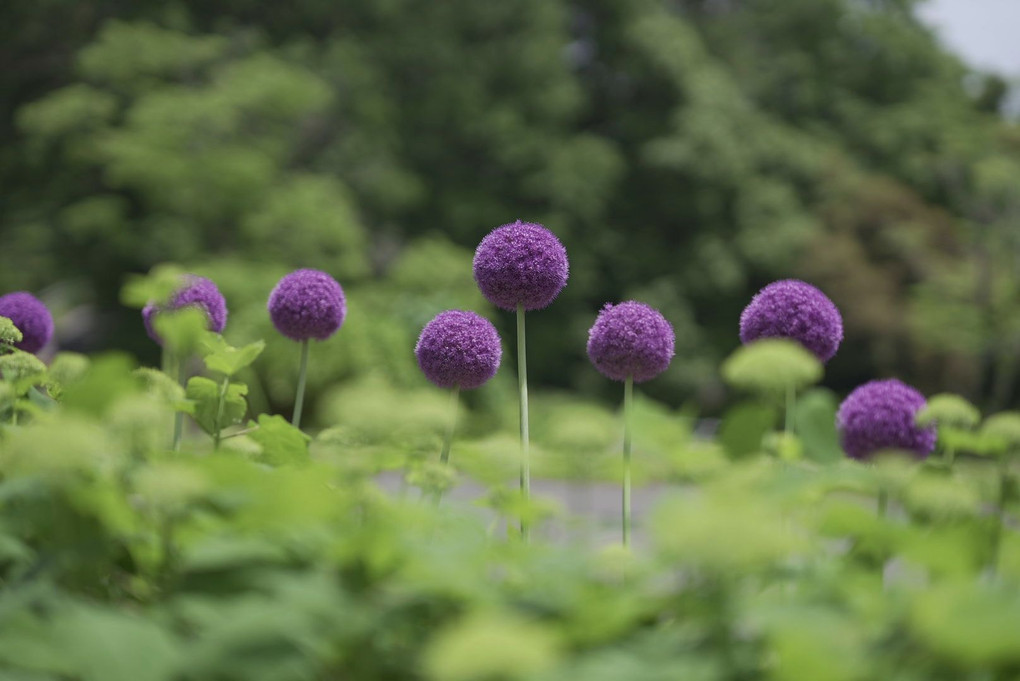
(880, 415)
(521, 263)
(31, 317)
(796, 310)
(307, 304)
(631, 340)
(459, 349)
(197, 291)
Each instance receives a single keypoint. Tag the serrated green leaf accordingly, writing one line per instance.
(281, 443)
(205, 394)
(772, 365)
(9, 333)
(221, 357)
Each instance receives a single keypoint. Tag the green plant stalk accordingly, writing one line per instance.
(996, 543)
(178, 369)
(444, 456)
(522, 384)
(628, 418)
(883, 502)
(299, 400)
(790, 401)
(217, 436)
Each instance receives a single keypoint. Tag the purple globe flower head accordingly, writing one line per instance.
(459, 348)
(630, 339)
(880, 415)
(521, 263)
(196, 291)
(31, 317)
(796, 310)
(307, 304)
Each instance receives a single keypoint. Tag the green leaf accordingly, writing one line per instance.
(744, 426)
(184, 330)
(281, 442)
(22, 370)
(65, 369)
(221, 357)
(107, 379)
(91, 644)
(815, 418)
(947, 409)
(155, 287)
(205, 394)
(9, 333)
(1003, 430)
(490, 646)
(772, 365)
(969, 623)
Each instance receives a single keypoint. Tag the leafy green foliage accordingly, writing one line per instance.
(9, 334)
(771, 366)
(949, 410)
(216, 405)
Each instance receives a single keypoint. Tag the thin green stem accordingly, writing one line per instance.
(178, 368)
(219, 412)
(996, 548)
(628, 422)
(883, 502)
(444, 456)
(790, 401)
(950, 456)
(522, 384)
(299, 401)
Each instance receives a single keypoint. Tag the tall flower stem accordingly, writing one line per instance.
(522, 384)
(628, 424)
(177, 362)
(993, 565)
(790, 400)
(299, 400)
(219, 412)
(444, 456)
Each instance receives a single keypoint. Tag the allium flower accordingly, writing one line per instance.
(881, 415)
(630, 339)
(307, 304)
(521, 264)
(31, 317)
(196, 291)
(459, 349)
(796, 310)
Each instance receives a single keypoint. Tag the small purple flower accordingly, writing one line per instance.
(880, 415)
(630, 339)
(796, 310)
(459, 348)
(31, 317)
(196, 291)
(307, 304)
(522, 263)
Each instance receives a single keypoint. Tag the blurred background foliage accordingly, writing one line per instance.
(687, 152)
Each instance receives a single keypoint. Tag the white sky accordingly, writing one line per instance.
(985, 32)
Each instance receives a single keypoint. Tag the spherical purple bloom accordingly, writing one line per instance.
(198, 292)
(307, 304)
(522, 263)
(630, 339)
(880, 415)
(31, 317)
(459, 348)
(796, 310)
